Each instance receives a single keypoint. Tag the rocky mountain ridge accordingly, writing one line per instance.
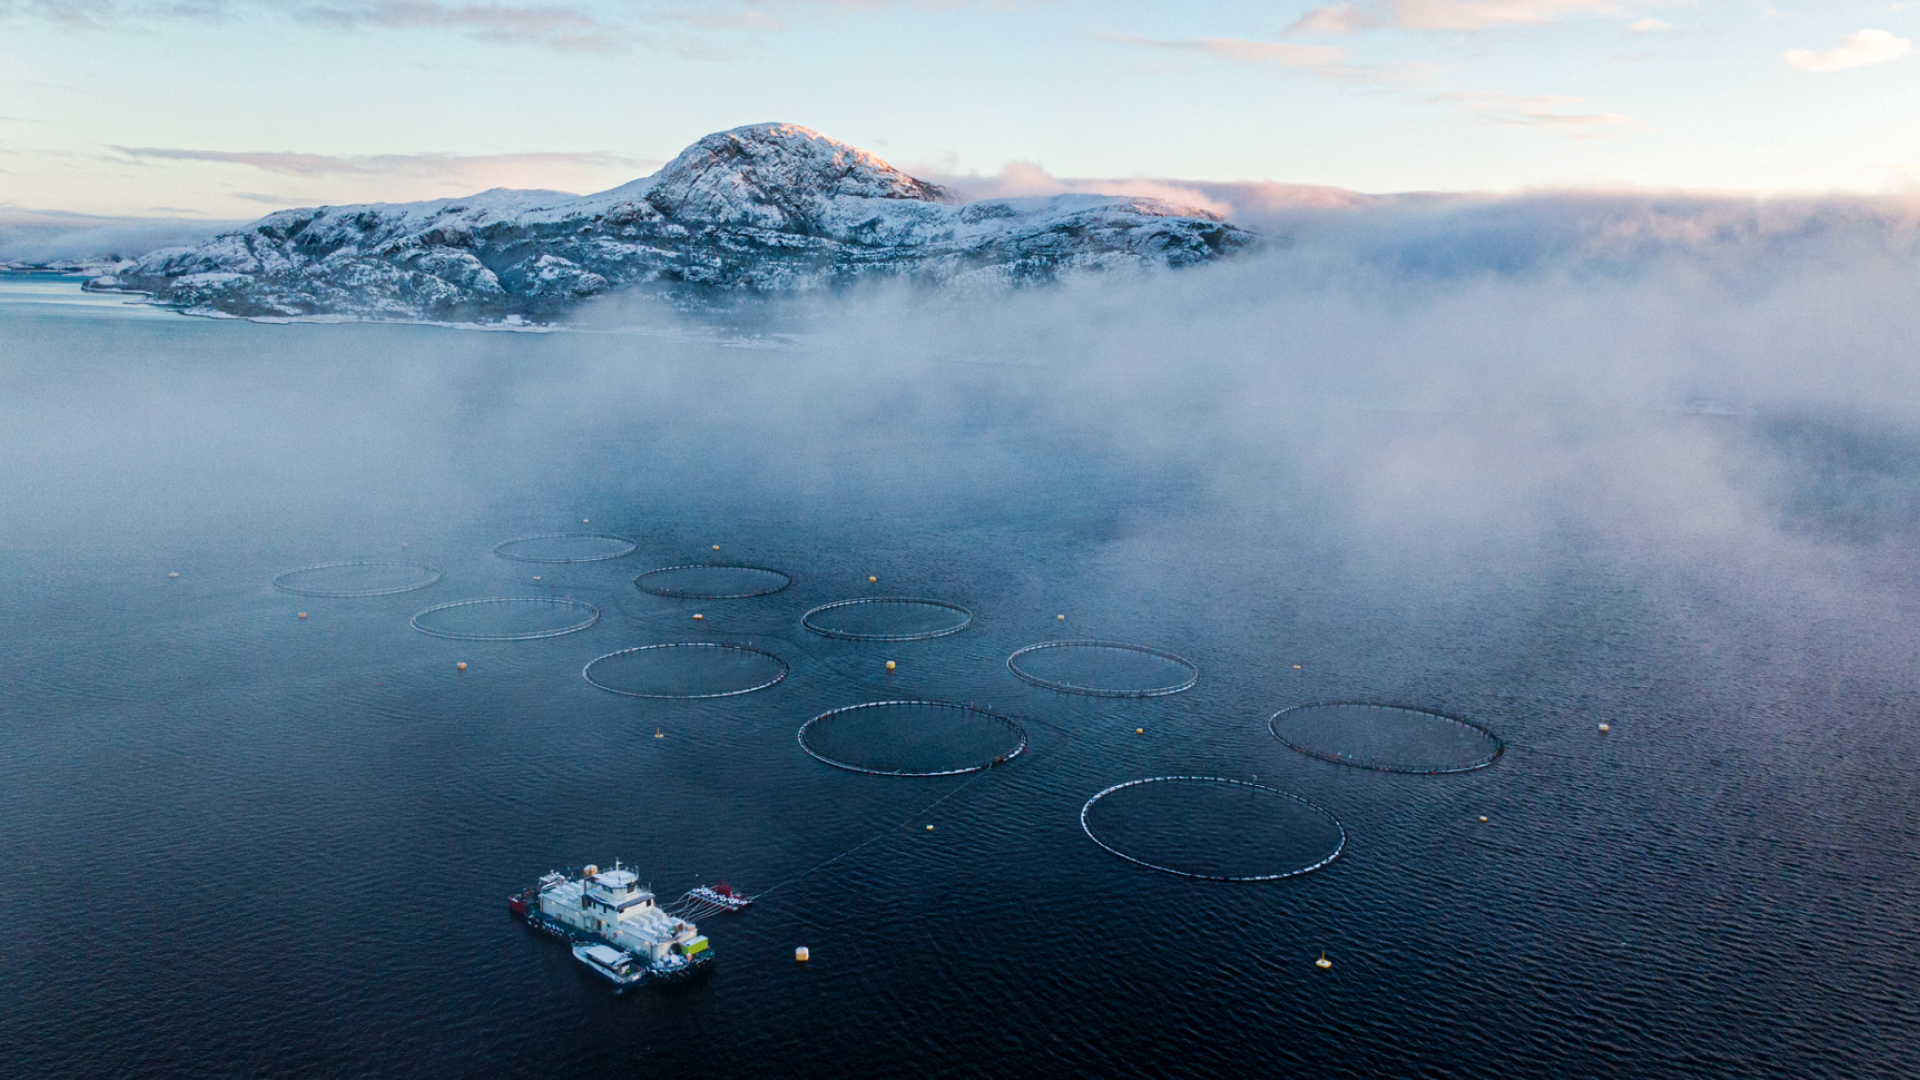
(761, 210)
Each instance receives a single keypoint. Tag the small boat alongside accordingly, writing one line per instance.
(621, 969)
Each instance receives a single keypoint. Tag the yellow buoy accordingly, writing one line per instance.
(1139, 731)
(716, 547)
(1483, 817)
(303, 614)
(801, 954)
(1296, 667)
(1604, 729)
(657, 735)
(870, 577)
(461, 666)
(1323, 963)
(697, 615)
(929, 828)
(890, 665)
(1061, 618)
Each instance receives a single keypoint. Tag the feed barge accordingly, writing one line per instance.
(607, 914)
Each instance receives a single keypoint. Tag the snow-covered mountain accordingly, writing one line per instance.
(764, 209)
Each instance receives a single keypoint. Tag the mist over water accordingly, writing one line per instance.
(1469, 467)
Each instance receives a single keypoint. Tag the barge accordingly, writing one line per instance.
(607, 914)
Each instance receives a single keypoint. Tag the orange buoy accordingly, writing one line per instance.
(461, 666)
(303, 614)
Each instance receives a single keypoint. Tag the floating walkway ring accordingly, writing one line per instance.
(592, 615)
(1192, 672)
(1014, 727)
(1496, 745)
(281, 583)
(769, 576)
(807, 620)
(630, 548)
(779, 674)
(1339, 845)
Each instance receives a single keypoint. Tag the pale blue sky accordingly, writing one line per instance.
(234, 107)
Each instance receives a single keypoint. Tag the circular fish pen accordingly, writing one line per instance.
(565, 548)
(1212, 828)
(711, 581)
(686, 670)
(506, 618)
(887, 618)
(1386, 738)
(912, 738)
(368, 577)
(1103, 669)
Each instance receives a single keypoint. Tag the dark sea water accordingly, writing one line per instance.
(237, 842)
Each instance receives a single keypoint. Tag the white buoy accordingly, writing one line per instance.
(699, 616)
(657, 734)
(1061, 618)
(1604, 728)
(800, 954)
(176, 573)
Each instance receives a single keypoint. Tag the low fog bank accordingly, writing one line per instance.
(40, 237)
(1692, 397)
(1692, 393)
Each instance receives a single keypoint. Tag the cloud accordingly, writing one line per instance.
(1325, 61)
(562, 27)
(1333, 19)
(1651, 26)
(466, 170)
(1541, 111)
(1862, 48)
(1336, 65)
(1445, 15)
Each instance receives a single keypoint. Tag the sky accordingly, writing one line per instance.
(231, 108)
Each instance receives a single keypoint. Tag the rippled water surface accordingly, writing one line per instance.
(239, 842)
